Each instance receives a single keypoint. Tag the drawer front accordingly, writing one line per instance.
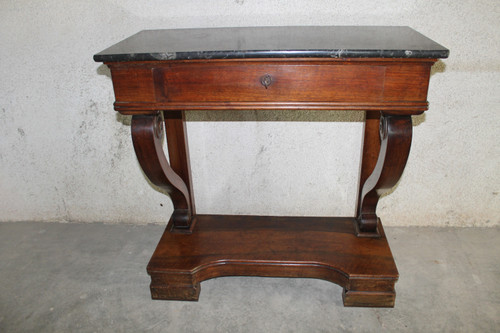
(267, 82)
(396, 86)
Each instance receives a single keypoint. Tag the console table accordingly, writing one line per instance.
(157, 74)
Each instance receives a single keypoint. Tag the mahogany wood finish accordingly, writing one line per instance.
(371, 145)
(385, 71)
(178, 151)
(370, 150)
(395, 133)
(350, 251)
(147, 131)
(314, 247)
(380, 84)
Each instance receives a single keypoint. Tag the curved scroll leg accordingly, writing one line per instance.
(178, 151)
(147, 131)
(395, 134)
(371, 147)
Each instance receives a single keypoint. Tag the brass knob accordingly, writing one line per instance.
(266, 80)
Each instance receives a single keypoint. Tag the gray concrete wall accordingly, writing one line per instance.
(65, 155)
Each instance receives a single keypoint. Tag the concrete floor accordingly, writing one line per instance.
(92, 278)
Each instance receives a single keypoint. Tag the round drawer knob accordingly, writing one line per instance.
(266, 80)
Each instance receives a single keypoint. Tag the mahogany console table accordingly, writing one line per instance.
(385, 71)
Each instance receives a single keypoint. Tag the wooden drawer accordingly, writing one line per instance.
(235, 82)
(358, 84)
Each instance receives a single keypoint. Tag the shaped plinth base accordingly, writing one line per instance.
(306, 247)
(369, 298)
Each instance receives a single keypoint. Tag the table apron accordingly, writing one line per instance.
(396, 87)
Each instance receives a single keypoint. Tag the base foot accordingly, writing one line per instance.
(177, 293)
(172, 286)
(383, 299)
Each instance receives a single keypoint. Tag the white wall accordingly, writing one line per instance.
(65, 155)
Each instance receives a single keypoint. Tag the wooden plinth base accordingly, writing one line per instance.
(307, 247)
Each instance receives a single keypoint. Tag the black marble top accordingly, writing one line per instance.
(274, 42)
